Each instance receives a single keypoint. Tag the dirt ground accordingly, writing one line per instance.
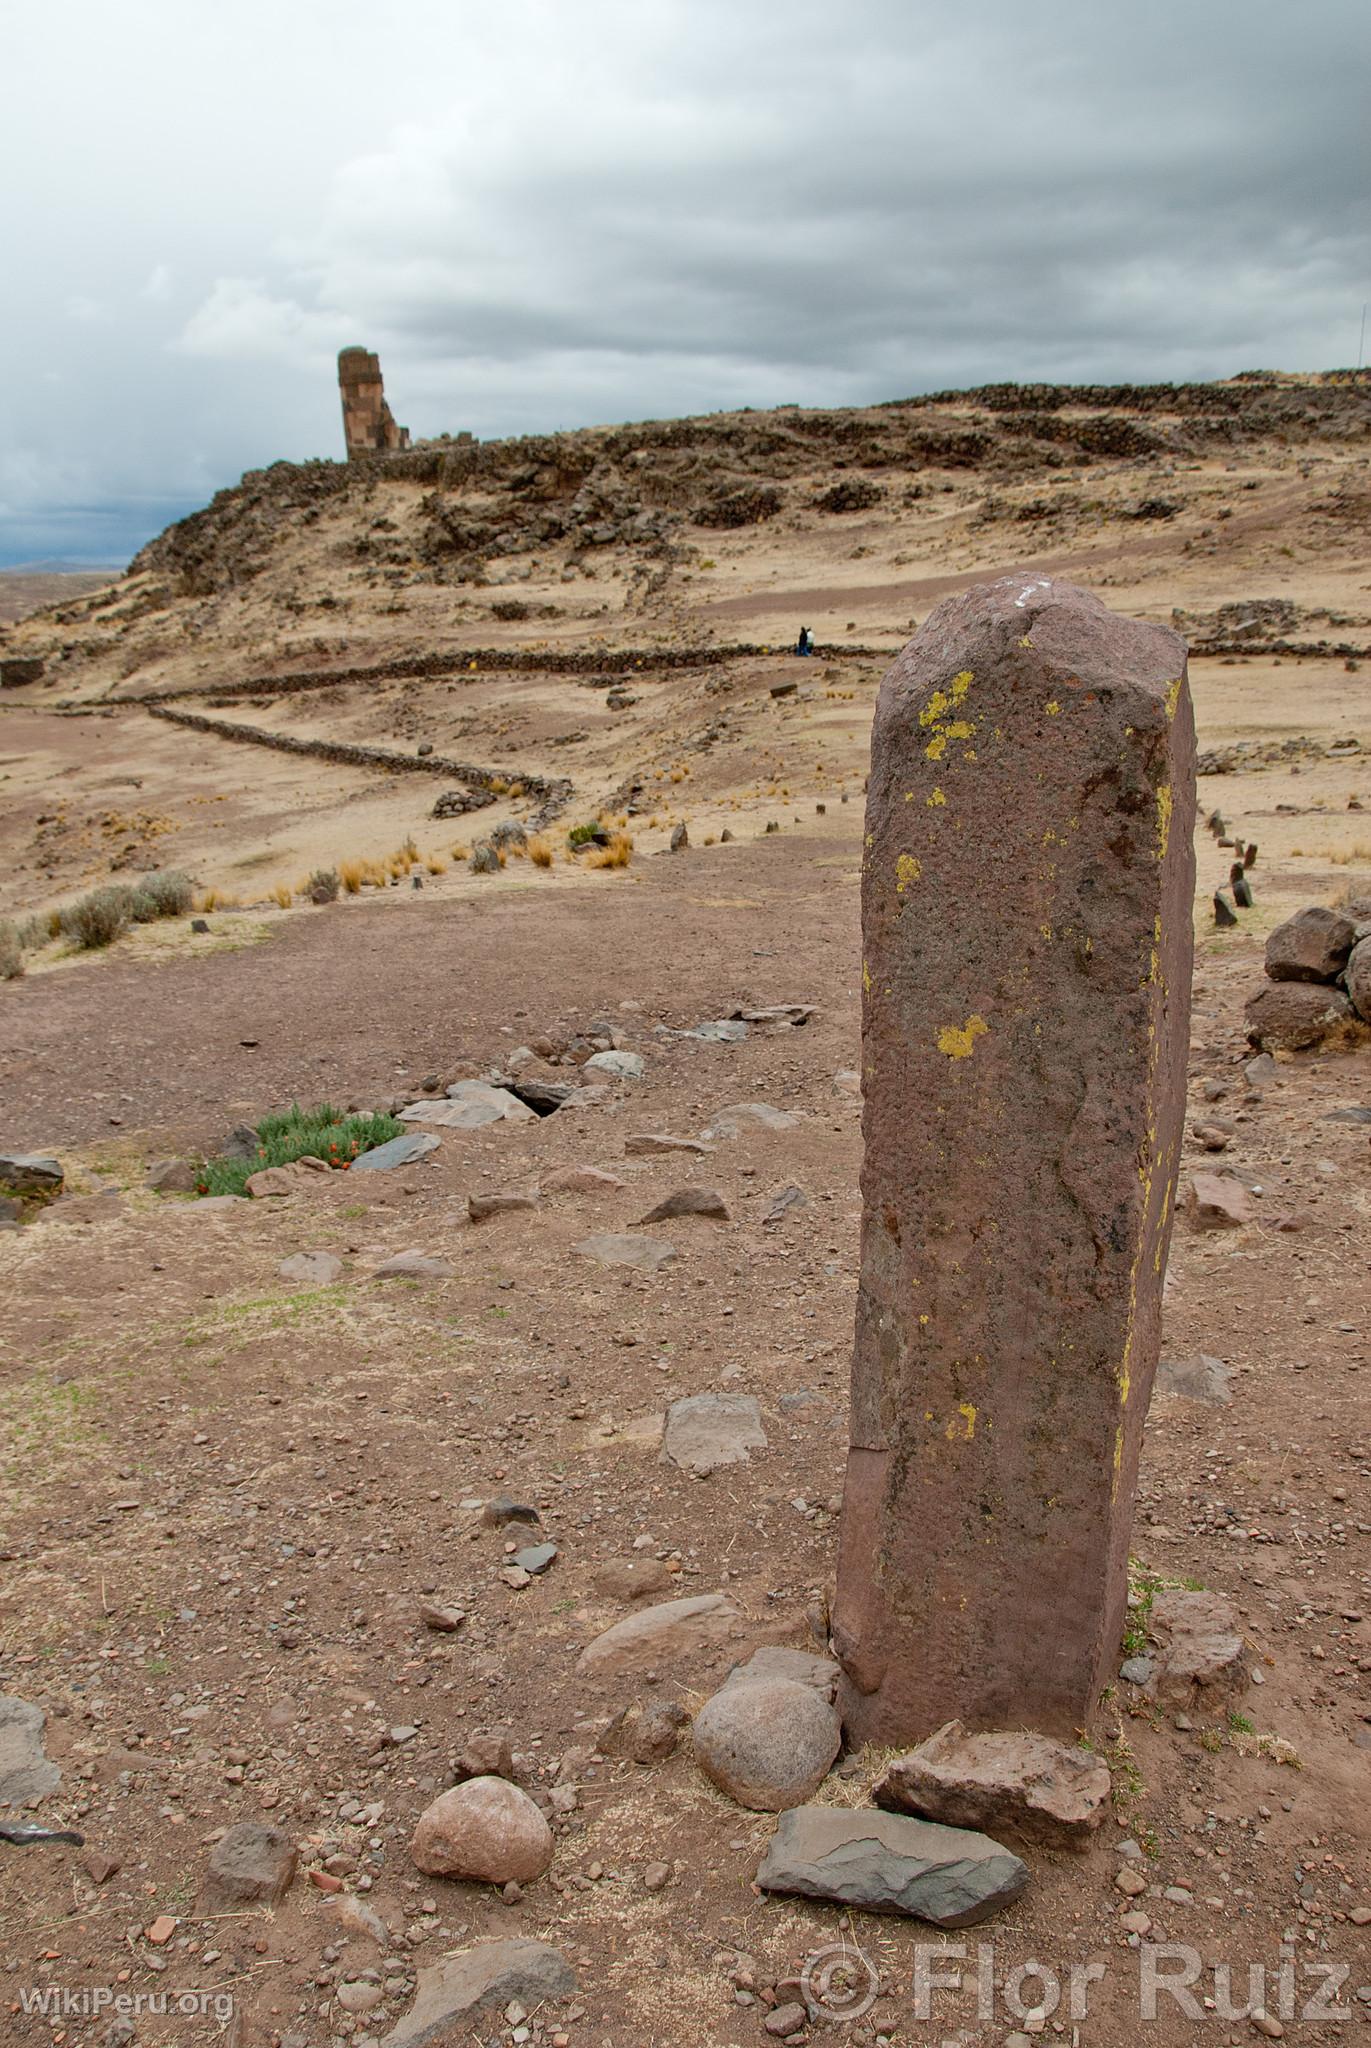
(222, 1493)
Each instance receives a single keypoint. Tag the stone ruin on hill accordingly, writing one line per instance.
(1026, 925)
(368, 425)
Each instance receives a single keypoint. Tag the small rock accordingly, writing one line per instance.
(707, 1431)
(1295, 1016)
(656, 1877)
(632, 1578)
(487, 1978)
(786, 2018)
(497, 1513)
(1313, 945)
(782, 1202)
(628, 1066)
(1195, 1379)
(731, 1122)
(1215, 1201)
(769, 1743)
(653, 1734)
(480, 1207)
(251, 1863)
(173, 1177)
(25, 1771)
(311, 1269)
(402, 1151)
(689, 1202)
(275, 1181)
(1136, 1670)
(889, 1863)
(161, 1930)
(413, 1265)
(1130, 1882)
(31, 1173)
(626, 1248)
(680, 839)
(667, 1634)
(646, 1143)
(99, 1866)
(486, 1753)
(536, 1559)
(580, 1180)
(1202, 1646)
(354, 1918)
(486, 1829)
(442, 1620)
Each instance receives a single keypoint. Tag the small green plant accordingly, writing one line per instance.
(322, 1133)
(11, 950)
(323, 886)
(1240, 1725)
(593, 834)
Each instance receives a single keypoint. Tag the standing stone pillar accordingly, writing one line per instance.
(1026, 925)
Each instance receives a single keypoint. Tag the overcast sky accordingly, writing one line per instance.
(549, 213)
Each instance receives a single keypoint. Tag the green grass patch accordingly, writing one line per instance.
(324, 1133)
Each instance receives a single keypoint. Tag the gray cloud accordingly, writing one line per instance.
(595, 211)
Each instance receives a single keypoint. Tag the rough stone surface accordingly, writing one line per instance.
(173, 1177)
(31, 1173)
(769, 1744)
(1195, 1379)
(580, 1180)
(632, 1578)
(1359, 979)
(413, 1265)
(705, 1431)
(1201, 1647)
(486, 1829)
(802, 1667)
(25, 1771)
(626, 1248)
(481, 1207)
(1313, 945)
(646, 1143)
(311, 1269)
(1296, 1016)
(251, 1864)
(627, 1066)
(889, 1863)
(736, 1118)
(689, 1202)
(1215, 1201)
(1026, 918)
(671, 1633)
(403, 1151)
(493, 1975)
(1021, 1784)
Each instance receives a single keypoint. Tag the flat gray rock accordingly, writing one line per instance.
(496, 1973)
(705, 1431)
(414, 1265)
(311, 1269)
(689, 1202)
(25, 1771)
(628, 1066)
(820, 1674)
(30, 1173)
(671, 1632)
(626, 1248)
(646, 1143)
(1195, 1379)
(739, 1116)
(888, 1863)
(401, 1151)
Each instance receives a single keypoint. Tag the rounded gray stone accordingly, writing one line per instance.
(769, 1745)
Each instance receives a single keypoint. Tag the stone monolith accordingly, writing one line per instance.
(1026, 921)
(368, 424)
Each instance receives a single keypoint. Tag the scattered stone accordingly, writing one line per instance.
(732, 1121)
(706, 1431)
(470, 1106)
(653, 1733)
(889, 1863)
(626, 1248)
(785, 2019)
(1313, 945)
(491, 1976)
(486, 1829)
(536, 1559)
(402, 1151)
(1195, 1379)
(486, 1753)
(645, 1143)
(1137, 1670)
(25, 1770)
(99, 1866)
(580, 1180)
(1294, 1016)
(413, 1265)
(628, 1066)
(173, 1177)
(1026, 1785)
(484, 859)
(274, 1181)
(497, 1513)
(481, 1207)
(1130, 1882)
(31, 1173)
(1358, 978)
(632, 1578)
(656, 1877)
(782, 1202)
(249, 1865)
(719, 1031)
(1201, 1646)
(311, 1269)
(199, 927)
(444, 1621)
(689, 1202)
(161, 1930)
(680, 839)
(671, 1633)
(1215, 1201)
(769, 1743)
(800, 1667)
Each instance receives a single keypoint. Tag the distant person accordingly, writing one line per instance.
(805, 643)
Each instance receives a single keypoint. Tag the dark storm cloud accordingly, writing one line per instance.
(592, 211)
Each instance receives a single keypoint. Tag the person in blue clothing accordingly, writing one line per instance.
(805, 643)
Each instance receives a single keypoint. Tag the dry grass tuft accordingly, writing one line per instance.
(540, 851)
(352, 874)
(436, 864)
(218, 899)
(283, 895)
(460, 851)
(617, 854)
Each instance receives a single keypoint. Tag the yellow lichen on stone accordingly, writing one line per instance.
(866, 977)
(958, 1040)
(1173, 696)
(907, 870)
(1053, 708)
(935, 799)
(966, 1427)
